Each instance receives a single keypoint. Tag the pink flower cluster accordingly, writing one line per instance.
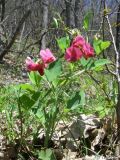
(79, 48)
(46, 58)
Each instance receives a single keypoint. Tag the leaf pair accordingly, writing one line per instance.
(100, 46)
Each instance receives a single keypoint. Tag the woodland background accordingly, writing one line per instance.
(30, 20)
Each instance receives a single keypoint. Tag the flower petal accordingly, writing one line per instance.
(73, 54)
(79, 41)
(47, 56)
(88, 51)
(32, 66)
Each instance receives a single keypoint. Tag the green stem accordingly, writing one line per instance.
(21, 124)
(47, 130)
(54, 122)
(46, 138)
(21, 120)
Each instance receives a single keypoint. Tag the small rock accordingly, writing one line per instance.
(94, 158)
(1, 155)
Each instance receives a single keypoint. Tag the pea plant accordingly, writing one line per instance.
(49, 92)
(52, 94)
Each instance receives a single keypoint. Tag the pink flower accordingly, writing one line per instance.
(78, 41)
(88, 51)
(73, 54)
(32, 66)
(47, 56)
(79, 48)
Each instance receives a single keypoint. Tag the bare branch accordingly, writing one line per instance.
(115, 48)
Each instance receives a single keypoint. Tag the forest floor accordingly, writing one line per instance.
(12, 70)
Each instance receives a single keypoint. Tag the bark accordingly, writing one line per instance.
(45, 22)
(118, 111)
(76, 11)
(2, 6)
(118, 48)
(117, 149)
(70, 13)
(2, 3)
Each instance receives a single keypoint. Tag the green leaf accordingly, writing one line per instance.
(100, 45)
(63, 43)
(102, 62)
(54, 70)
(87, 64)
(26, 86)
(40, 115)
(35, 77)
(87, 19)
(29, 100)
(46, 155)
(26, 102)
(105, 45)
(55, 22)
(82, 94)
(96, 45)
(98, 65)
(84, 62)
(77, 100)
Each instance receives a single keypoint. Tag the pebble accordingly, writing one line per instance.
(1, 155)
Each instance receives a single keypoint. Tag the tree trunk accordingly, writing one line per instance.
(70, 13)
(45, 22)
(118, 111)
(118, 48)
(117, 151)
(2, 3)
(76, 12)
(2, 10)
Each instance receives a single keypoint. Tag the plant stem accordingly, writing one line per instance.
(21, 119)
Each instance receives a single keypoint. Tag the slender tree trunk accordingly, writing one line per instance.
(76, 13)
(70, 13)
(45, 22)
(118, 111)
(2, 9)
(117, 151)
(118, 48)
